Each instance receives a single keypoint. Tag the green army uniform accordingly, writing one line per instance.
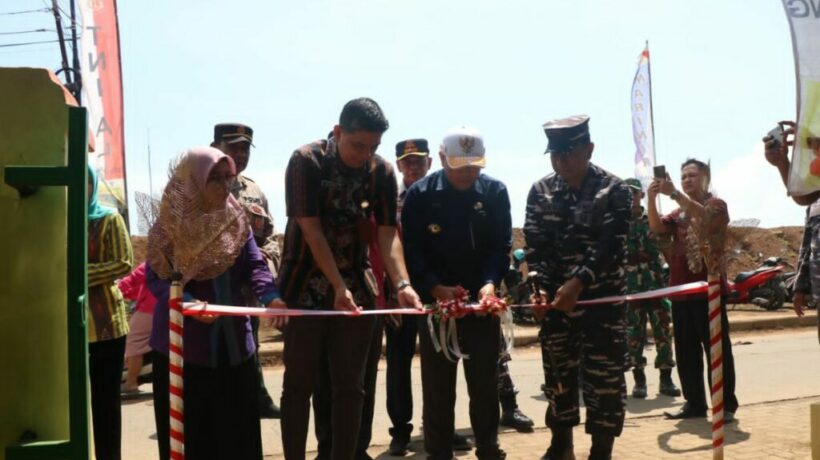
(644, 273)
(255, 204)
(250, 196)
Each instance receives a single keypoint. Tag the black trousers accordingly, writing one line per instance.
(346, 343)
(221, 411)
(690, 319)
(263, 396)
(323, 402)
(105, 360)
(479, 338)
(401, 346)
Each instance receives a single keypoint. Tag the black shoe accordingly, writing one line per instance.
(553, 454)
(639, 391)
(601, 447)
(399, 446)
(544, 390)
(686, 412)
(269, 411)
(728, 417)
(667, 386)
(462, 443)
(669, 389)
(561, 445)
(517, 420)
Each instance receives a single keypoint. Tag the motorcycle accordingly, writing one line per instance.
(764, 286)
(789, 278)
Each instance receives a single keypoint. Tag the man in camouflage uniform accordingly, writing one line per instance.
(236, 140)
(643, 273)
(576, 229)
(807, 283)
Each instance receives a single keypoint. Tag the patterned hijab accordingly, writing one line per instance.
(187, 238)
(95, 209)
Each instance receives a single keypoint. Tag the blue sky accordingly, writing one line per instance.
(723, 75)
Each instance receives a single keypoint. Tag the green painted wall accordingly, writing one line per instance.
(33, 349)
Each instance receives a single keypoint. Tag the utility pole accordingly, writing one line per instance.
(78, 83)
(55, 8)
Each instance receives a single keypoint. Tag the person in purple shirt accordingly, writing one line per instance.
(219, 379)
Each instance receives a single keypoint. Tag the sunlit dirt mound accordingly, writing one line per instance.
(746, 247)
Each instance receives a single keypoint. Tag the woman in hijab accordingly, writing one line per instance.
(109, 257)
(202, 233)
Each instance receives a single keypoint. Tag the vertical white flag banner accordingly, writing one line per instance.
(642, 129)
(804, 22)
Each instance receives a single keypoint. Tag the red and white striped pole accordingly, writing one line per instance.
(716, 364)
(175, 367)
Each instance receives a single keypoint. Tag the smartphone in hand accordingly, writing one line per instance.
(659, 172)
(777, 135)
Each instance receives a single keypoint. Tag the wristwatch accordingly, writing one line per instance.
(674, 195)
(402, 284)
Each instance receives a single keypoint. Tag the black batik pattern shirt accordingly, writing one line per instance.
(318, 184)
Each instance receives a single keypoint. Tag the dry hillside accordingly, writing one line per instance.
(747, 246)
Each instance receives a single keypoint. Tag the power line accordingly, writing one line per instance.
(9, 45)
(27, 32)
(9, 13)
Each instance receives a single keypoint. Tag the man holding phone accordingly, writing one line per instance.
(686, 264)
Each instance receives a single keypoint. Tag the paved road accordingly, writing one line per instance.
(771, 367)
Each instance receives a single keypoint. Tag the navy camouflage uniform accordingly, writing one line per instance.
(808, 265)
(582, 233)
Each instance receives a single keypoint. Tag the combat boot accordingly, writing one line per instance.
(668, 387)
(639, 391)
(512, 416)
(601, 447)
(560, 445)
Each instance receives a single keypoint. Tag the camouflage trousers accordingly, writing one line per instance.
(591, 342)
(659, 314)
(506, 387)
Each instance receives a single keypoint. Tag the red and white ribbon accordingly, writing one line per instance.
(716, 365)
(199, 308)
(175, 369)
(445, 339)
